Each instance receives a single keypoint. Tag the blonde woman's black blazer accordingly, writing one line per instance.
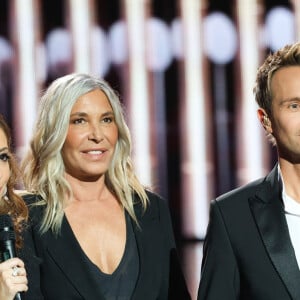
(248, 253)
(65, 275)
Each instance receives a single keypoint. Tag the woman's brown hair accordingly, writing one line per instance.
(12, 203)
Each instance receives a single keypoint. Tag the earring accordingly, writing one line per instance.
(266, 120)
(4, 195)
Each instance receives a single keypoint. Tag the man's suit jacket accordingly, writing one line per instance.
(247, 252)
(65, 275)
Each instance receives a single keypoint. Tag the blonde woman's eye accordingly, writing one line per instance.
(78, 121)
(4, 157)
(108, 120)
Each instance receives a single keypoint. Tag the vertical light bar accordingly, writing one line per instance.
(252, 152)
(138, 92)
(81, 21)
(195, 164)
(296, 6)
(24, 28)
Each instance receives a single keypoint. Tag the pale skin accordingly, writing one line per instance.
(9, 285)
(284, 125)
(94, 214)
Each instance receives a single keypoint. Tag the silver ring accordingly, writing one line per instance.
(15, 271)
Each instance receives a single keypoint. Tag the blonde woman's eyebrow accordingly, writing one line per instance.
(83, 114)
(108, 113)
(78, 114)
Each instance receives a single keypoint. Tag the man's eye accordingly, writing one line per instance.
(293, 106)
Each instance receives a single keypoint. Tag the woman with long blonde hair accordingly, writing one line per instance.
(98, 231)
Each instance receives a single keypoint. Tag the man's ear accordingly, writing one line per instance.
(264, 120)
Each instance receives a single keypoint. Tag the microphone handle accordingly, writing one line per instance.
(8, 251)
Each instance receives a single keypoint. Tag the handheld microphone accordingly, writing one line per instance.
(7, 242)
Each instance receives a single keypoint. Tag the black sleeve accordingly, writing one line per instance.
(219, 272)
(177, 284)
(32, 266)
(28, 255)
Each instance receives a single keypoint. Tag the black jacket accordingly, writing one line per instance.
(32, 266)
(65, 275)
(248, 253)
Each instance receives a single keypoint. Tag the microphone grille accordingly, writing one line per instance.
(6, 222)
(7, 235)
(6, 228)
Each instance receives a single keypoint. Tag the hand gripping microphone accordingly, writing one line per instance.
(7, 242)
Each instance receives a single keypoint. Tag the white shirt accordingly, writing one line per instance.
(292, 214)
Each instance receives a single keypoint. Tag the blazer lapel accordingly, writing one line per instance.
(72, 262)
(146, 239)
(268, 212)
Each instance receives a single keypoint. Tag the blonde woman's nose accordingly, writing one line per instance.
(95, 134)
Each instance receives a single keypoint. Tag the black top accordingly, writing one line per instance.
(121, 283)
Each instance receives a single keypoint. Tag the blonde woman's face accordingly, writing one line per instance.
(92, 136)
(4, 163)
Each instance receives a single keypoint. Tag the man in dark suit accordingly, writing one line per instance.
(252, 245)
